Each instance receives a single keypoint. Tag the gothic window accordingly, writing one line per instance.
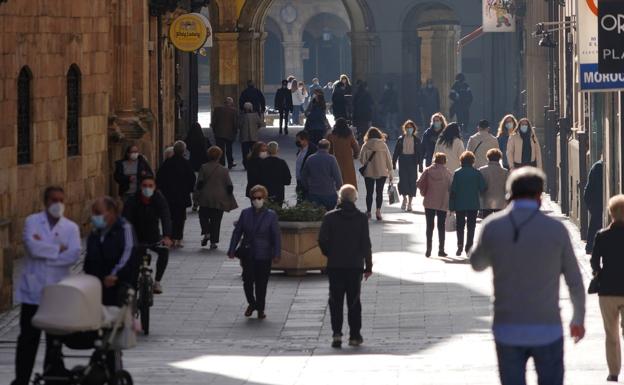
(24, 116)
(73, 111)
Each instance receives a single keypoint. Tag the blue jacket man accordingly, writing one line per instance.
(321, 177)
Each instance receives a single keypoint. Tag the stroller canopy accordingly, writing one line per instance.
(72, 305)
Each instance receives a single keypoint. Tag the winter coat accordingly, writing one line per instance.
(493, 198)
(253, 96)
(339, 103)
(434, 185)
(316, 118)
(389, 102)
(479, 144)
(249, 125)
(398, 151)
(215, 188)
(453, 153)
(363, 104)
(430, 102)
(381, 164)
(283, 100)
(320, 174)
(225, 123)
(261, 229)
(176, 180)
(197, 145)
(429, 140)
(143, 169)
(274, 175)
(467, 186)
(607, 258)
(514, 150)
(345, 150)
(145, 217)
(344, 239)
(461, 97)
(254, 173)
(592, 194)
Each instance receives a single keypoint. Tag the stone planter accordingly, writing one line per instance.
(300, 250)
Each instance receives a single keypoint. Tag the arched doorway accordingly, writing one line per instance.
(326, 40)
(430, 34)
(273, 54)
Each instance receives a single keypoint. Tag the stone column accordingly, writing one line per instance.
(293, 58)
(444, 61)
(224, 67)
(365, 60)
(251, 60)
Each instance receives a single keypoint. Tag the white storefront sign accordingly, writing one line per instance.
(499, 15)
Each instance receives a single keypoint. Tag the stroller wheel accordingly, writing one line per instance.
(121, 377)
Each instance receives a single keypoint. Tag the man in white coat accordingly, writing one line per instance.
(52, 245)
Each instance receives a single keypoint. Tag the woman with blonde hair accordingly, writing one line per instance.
(506, 127)
(523, 148)
(408, 153)
(375, 157)
(607, 263)
(431, 135)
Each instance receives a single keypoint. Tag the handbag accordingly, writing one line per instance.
(594, 285)
(450, 225)
(393, 194)
(363, 168)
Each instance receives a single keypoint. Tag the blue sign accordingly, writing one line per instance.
(592, 80)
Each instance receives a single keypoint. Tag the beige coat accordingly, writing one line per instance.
(249, 125)
(493, 198)
(434, 184)
(381, 165)
(514, 150)
(452, 154)
(480, 143)
(214, 182)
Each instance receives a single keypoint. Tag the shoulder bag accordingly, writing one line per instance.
(363, 168)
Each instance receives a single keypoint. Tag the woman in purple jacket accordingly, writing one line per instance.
(259, 230)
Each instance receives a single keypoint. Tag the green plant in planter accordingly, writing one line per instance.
(302, 212)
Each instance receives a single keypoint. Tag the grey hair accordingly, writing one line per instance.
(248, 107)
(179, 147)
(616, 208)
(348, 193)
(525, 182)
(324, 144)
(273, 148)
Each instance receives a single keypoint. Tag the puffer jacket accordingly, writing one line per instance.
(434, 184)
(381, 164)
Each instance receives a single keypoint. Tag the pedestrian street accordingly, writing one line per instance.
(425, 321)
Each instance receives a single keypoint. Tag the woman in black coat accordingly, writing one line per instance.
(176, 180)
(197, 144)
(408, 153)
(255, 160)
(130, 170)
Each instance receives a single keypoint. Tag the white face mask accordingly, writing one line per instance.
(509, 125)
(134, 155)
(524, 128)
(56, 210)
(263, 155)
(257, 203)
(410, 131)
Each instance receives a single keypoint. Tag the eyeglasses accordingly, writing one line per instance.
(257, 198)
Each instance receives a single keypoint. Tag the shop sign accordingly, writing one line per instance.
(611, 36)
(189, 32)
(587, 26)
(499, 15)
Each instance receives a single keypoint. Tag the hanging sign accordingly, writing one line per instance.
(591, 79)
(188, 32)
(499, 15)
(611, 36)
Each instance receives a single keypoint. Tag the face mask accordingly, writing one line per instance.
(410, 131)
(257, 203)
(524, 128)
(98, 221)
(56, 210)
(437, 125)
(147, 192)
(263, 155)
(298, 144)
(509, 125)
(134, 155)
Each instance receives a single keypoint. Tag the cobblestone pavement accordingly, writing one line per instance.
(426, 321)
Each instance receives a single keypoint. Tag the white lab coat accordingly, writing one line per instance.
(44, 263)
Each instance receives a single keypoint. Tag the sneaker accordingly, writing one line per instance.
(356, 341)
(157, 288)
(336, 342)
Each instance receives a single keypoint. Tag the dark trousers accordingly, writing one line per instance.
(27, 346)
(595, 224)
(283, 117)
(430, 216)
(463, 119)
(349, 282)
(488, 212)
(255, 280)
(302, 194)
(161, 263)
(210, 222)
(327, 201)
(374, 186)
(178, 218)
(245, 150)
(316, 136)
(548, 360)
(467, 218)
(362, 127)
(225, 146)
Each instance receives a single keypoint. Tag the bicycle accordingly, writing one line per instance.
(145, 287)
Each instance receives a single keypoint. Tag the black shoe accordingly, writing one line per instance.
(468, 247)
(336, 342)
(261, 315)
(213, 246)
(612, 378)
(286, 131)
(459, 251)
(204, 241)
(232, 165)
(249, 311)
(356, 341)
(441, 253)
(428, 253)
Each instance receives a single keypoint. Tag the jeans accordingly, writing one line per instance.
(178, 218)
(283, 117)
(466, 218)
(210, 222)
(297, 110)
(374, 186)
(161, 263)
(548, 360)
(341, 282)
(327, 201)
(256, 276)
(226, 146)
(27, 346)
(595, 224)
(430, 216)
(245, 150)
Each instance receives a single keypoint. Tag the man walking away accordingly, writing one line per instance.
(344, 239)
(225, 127)
(321, 177)
(528, 252)
(430, 100)
(482, 142)
(51, 246)
(594, 201)
(495, 176)
(363, 104)
(389, 104)
(283, 104)
(328, 90)
(254, 96)
(461, 98)
(305, 150)
(275, 174)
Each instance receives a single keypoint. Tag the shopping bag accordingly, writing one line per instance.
(393, 194)
(450, 225)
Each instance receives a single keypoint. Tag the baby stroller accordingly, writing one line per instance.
(72, 312)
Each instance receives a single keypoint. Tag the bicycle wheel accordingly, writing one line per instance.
(121, 377)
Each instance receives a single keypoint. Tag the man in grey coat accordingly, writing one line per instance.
(528, 252)
(495, 176)
(225, 126)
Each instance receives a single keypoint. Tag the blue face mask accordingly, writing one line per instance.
(437, 125)
(410, 131)
(509, 125)
(147, 192)
(98, 222)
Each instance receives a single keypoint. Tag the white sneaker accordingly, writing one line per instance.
(157, 288)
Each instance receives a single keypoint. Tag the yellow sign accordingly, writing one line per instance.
(188, 32)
